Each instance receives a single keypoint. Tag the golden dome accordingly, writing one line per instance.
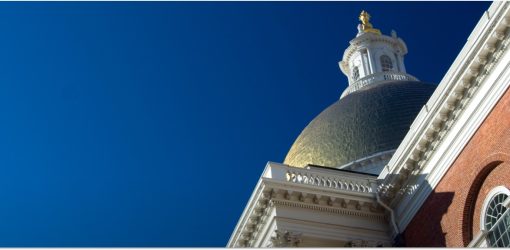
(371, 120)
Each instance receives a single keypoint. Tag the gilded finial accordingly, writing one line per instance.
(365, 25)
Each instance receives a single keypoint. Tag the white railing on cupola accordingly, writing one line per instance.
(377, 77)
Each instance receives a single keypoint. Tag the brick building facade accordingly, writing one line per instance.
(453, 172)
(457, 200)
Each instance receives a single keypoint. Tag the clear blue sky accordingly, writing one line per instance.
(149, 124)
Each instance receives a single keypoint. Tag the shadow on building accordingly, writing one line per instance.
(425, 228)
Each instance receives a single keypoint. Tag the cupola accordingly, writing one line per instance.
(373, 57)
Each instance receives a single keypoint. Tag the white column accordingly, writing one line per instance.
(402, 65)
(371, 61)
(397, 62)
(365, 63)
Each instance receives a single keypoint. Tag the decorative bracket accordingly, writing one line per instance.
(285, 239)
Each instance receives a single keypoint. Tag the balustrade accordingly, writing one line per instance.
(319, 178)
(378, 77)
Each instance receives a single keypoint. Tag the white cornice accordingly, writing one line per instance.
(335, 209)
(468, 92)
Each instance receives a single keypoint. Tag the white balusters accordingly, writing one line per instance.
(303, 176)
(378, 77)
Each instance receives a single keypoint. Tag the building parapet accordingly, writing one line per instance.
(320, 177)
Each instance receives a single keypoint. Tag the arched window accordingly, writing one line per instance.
(355, 73)
(496, 218)
(386, 63)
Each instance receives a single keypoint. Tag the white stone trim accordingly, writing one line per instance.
(242, 224)
(337, 209)
(263, 231)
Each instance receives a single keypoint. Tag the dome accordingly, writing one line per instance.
(373, 119)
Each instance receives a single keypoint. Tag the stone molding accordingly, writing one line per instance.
(339, 206)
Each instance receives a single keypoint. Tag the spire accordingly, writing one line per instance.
(365, 25)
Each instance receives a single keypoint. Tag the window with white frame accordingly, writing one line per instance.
(495, 218)
(386, 63)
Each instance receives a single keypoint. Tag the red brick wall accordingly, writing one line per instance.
(450, 215)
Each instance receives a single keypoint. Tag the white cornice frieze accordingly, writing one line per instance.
(339, 206)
